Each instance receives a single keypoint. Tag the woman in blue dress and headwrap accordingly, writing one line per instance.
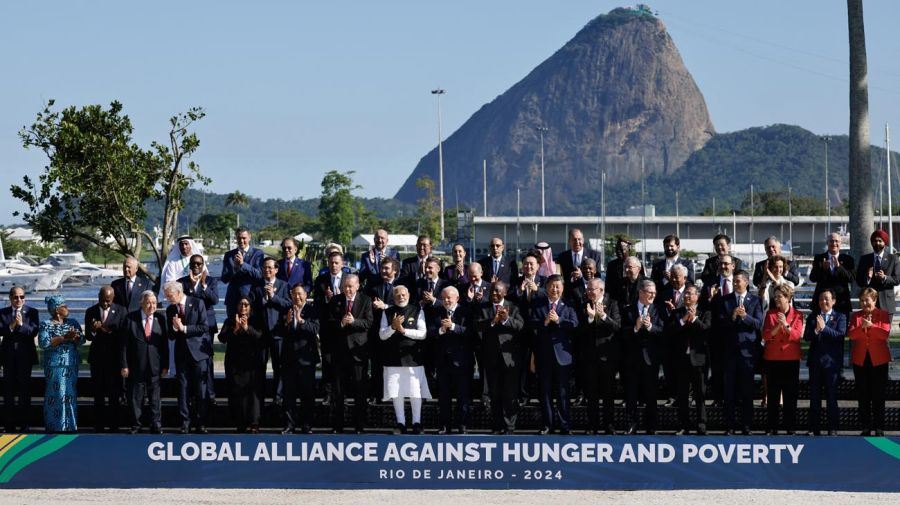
(59, 338)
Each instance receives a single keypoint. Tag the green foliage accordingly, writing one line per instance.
(429, 209)
(98, 180)
(287, 223)
(337, 206)
(216, 228)
(12, 247)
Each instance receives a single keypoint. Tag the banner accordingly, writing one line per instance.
(430, 462)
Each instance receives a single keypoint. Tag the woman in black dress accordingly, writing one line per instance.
(244, 351)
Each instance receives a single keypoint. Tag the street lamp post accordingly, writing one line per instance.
(440, 92)
(541, 130)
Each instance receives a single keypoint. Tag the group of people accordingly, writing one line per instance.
(420, 328)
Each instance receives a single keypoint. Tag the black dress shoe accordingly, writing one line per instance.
(288, 429)
(498, 432)
(669, 403)
(359, 431)
(444, 430)
(201, 429)
(523, 402)
(879, 433)
(337, 431)
(156, 430)
(609, 430)
(682, 431)
(729, 432)
(463, 430)
(701, 430)
(546, 430)
(417, 428)
(305, 430)
(134, 430)
(651, 431)
(254, 430)
(632, 429)
(832, 433)
(815, 433)
(745, 430)
(590, 433)
(865, 433)
(565, 431)
(185, 429)
(790, 433)
(771, 432)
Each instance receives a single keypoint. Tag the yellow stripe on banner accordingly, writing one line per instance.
(8, 441)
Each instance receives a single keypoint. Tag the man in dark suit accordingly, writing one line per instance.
(103, 327)
(669, 299)
(449, 328)
(477, 290)
(498, 325)
(300, 354)
(616, 270)
(241, 268)
(554, 322)
(629, 285)
(880, 271)
(370, 262)
(19, 326)
(199, 284)
(412, 269)
(292, 269)
(761, 272)
(722, 247)
(186, 325)
(144, 359)
(349, 320)
(599, 323)
(326, 286)
(496, 266)
(641, 332)
(835, 271)
(270, 299)
(570, 260)
(690, 332)
(127, 289)
(661, 269)
(825, 332)
(523, 291)
(382, 295)
(739, 319)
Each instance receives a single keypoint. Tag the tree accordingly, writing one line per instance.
(97, 180)
(289, 222)
(337, 206)
(237, 199)
(862, 217)
(429, 213)
(216, 227)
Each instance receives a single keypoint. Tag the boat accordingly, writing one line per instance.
(82, 271)
(16, 272)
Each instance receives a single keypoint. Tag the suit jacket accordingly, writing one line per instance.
(564, 260)
(301, 273)
(739, 337)
(320, 286)
(872, 341)
(691, 338)
(194, 343)
(598, 338)
(508, 269)
(209, 296)
(485, 289)
(625, 293)
(449, 272)
(409, 272)
(140, 356)
(106, 347)
(658, 270)
(711, 267)
(121, 296)
(300, 346)
(555, 339)
(501, 339)
(18, 345)
(421, 288)
(885, 288)
(615, 278)
(665, 294)
(351, 339)
(369, 267)
(455, 345)
(245, 349)
(642, 347)
(272, 310)
(240, 280)
(826, 349)
(792, 273)
(839, 281)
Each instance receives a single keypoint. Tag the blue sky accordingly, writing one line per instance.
(294, 89)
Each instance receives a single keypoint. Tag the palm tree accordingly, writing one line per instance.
(862, 217)
(237, 199)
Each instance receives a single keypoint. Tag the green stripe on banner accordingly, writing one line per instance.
(19, 446)
(49, 447)
(885, 445)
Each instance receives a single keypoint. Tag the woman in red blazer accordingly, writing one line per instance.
(869, 330)
(782, 333)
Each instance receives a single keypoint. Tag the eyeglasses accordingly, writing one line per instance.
(196, 264)
(17, 297)
(244, 304)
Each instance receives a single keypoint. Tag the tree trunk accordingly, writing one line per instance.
(862, 218)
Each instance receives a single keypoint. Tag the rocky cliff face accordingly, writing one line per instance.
(616, 92)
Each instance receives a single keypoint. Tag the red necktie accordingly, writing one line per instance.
(148, 328)
(290, 266)
(552, 306)
(103, 316)
(349, 306)
(726, 287)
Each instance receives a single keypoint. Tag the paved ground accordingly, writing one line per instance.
(460, 497)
